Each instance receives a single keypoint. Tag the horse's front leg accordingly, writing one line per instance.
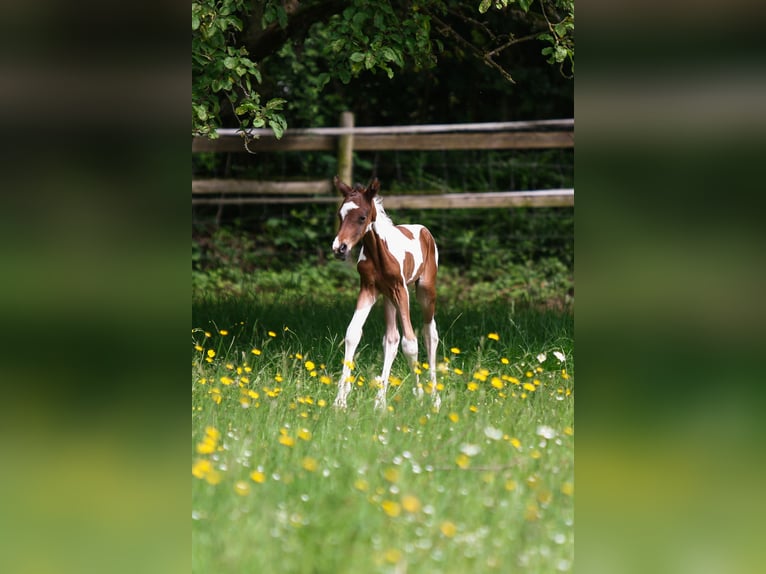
(390, 347)
(353, 335)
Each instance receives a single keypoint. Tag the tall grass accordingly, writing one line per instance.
(283, 482)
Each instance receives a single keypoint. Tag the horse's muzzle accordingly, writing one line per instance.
(341, 252)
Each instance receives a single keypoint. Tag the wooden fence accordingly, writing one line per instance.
(345, 139)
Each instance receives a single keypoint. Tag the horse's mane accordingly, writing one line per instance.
(383, 220)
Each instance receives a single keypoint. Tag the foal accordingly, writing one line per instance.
(391, 258)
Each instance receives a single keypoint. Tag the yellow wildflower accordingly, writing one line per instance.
(454, 351)
(391, 508)
(391, 474)
(497, 383)
(310, 464)
(448, 529)
(241, 488)
(256, 352)
(454, 417)
(473, 386)
(210, 353)
(286, 440)
(201, 468)
(272, 334)
(532, 512)
(493, 336)
(258, 476)
(392, 555)
(529, 387)
(411, 503)
(304, 434)
(544, 497)
(223, 332)
(481, 375)
(213, 477)
(462, 460)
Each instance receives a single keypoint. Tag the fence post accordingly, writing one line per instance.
(346, 149)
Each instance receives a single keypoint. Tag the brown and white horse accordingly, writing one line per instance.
(391, 258)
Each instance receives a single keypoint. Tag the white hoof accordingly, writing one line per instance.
(380, 401)
(340, 403)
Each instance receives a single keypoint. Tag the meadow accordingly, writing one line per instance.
(284, 482)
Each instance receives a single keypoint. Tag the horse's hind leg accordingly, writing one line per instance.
(426, 293)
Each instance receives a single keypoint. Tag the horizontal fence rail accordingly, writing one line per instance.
(344, 140)
(485, 199)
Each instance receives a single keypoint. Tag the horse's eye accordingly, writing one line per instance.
(362, 218)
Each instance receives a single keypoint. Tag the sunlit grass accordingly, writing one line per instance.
(283, 482)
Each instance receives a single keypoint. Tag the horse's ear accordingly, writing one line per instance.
(340, 186)
(373, 188)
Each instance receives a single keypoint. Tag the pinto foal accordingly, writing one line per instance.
(391, 258)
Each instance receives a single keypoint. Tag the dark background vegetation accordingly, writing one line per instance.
(521, 255)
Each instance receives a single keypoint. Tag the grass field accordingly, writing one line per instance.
(283, 482)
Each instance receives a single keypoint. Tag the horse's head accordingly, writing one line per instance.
(356, 214)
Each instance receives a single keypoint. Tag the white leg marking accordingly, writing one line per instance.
(390, 347)
(353, 336)
(410, 350)
(431, 336)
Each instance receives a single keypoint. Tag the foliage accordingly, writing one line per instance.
(232, 40)
(560, 34)
(474, 268)
(282, 482)
(221, 68)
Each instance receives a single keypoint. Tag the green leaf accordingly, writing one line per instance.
(278, 125)
(356, 57)
(525, 4)
(484, 6)
(561, 28)
(230, 62)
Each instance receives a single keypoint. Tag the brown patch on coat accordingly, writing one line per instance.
(408, 267)
(406, 232)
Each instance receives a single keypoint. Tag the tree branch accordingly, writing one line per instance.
(485, 57)
(261, 43)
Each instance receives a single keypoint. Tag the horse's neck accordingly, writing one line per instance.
(379, 231)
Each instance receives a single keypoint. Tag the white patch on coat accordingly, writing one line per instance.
(397, 242)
